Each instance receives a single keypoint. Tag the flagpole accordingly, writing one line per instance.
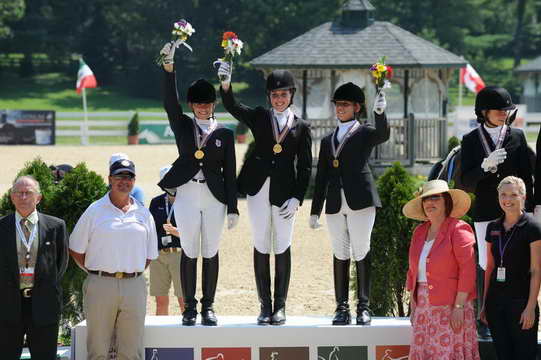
(460, 85)
(84, 139)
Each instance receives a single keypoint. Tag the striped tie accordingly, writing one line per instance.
(24, 226)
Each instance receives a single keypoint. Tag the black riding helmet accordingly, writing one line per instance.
(349, 92)
(202, 92)
(492, 98)
(281, 80)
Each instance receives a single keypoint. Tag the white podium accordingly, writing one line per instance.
(239, 338)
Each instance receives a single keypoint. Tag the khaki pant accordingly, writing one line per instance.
(163, 270)
(111, 304)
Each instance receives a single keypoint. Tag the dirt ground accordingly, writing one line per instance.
(311, 288)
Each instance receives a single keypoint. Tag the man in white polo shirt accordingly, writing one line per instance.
(115, 240)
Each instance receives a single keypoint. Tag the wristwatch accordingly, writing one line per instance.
(459, 306)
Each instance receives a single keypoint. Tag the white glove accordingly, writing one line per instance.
(232, 221)
(224, 71)
(380, 103)
(289, 208)
(169, 51)
(314, 222)
(495, 158)
(537, 213)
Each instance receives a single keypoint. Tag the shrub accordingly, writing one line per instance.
(390, 242)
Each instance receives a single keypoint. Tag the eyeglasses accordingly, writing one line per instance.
(23, 193)
(433, 197)
(123, 177)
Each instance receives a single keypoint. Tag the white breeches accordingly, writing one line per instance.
(350, 231)
(200, 219)
(266, 222)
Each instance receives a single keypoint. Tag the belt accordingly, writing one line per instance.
(171, 250)
(117, 275)
(199, 181)
(26, 293)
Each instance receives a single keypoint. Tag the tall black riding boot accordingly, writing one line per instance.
(263, 283)
(482, 329)
(363, 291)
(210, 280)
(282, 263)
(188, 280)
(342, 315)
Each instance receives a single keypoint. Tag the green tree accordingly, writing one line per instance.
(10, 10)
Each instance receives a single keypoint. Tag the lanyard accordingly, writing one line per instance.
(279, 136)
(168, 211)
(502, 251)
(201, 140)
(336, 151)
(27, 243)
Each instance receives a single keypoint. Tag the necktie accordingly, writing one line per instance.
(24, 226)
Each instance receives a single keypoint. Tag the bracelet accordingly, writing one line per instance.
(459, 306)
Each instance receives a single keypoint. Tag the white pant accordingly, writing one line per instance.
(200, 219)
(350, 231)
(266, 221)
(480, 235)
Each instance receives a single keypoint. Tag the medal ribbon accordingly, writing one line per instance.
(201, 140)
(27, 242)
(502, 251)
(279, 136)
(336, 151)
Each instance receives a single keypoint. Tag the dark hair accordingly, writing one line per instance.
(448, 201)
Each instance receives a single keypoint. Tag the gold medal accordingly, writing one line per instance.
(335, 163)
(199, 154)
(277, 148)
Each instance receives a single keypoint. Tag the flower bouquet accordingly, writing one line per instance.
(382, 74)
(232, 46)
(182, 30)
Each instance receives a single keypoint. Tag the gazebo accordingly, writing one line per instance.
(530, 74)
(343, 50)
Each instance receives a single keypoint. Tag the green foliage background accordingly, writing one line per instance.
(67, 200)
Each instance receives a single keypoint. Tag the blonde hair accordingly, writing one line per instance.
(513, 180)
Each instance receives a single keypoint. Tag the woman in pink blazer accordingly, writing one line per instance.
(441, 275)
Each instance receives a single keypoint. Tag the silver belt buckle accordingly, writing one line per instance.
(27, 292)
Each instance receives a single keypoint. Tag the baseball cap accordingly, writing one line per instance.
(124, 165)
(116, 157)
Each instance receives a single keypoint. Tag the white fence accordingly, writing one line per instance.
(107, 124)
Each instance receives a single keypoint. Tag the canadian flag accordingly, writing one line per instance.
(85, 77)
(470, 78)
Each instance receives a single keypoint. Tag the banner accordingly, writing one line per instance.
(28, 127)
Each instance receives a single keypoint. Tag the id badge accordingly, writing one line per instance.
(500, 275)
(166, 240)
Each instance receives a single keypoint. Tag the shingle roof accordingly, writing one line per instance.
(534, 65)
(358, 5)
(333, 46)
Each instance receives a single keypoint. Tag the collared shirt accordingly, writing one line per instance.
(343, 128)
(282, 117)
(515, 245)
(21, 248)
(113, 240)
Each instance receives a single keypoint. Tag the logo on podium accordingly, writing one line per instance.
(226, 354)
(392, 352)
(284, 353)
(342, 353)
(169, 354)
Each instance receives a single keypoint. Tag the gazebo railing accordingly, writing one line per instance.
(410, 140)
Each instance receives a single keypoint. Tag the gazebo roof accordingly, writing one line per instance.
(334, 46)
(532, 66)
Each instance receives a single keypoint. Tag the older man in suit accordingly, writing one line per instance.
(33, 259)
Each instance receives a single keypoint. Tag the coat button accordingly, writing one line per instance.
(200, 164)
(430, 287)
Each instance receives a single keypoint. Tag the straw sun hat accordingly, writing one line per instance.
(414, 208)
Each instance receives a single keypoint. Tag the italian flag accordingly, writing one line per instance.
(85, 77)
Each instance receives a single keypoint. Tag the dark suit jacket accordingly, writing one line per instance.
(289, 171)
(537, 182)
(353, 175)
(52, 260)
(157, 209)
(218, 164)
(486, 206)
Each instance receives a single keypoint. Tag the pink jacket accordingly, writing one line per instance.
(450, 265)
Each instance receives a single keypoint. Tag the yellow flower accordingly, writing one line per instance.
(224, 43)
(375, 74)
(381, 68)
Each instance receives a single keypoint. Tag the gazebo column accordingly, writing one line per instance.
(304, 94)
(406, 92)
